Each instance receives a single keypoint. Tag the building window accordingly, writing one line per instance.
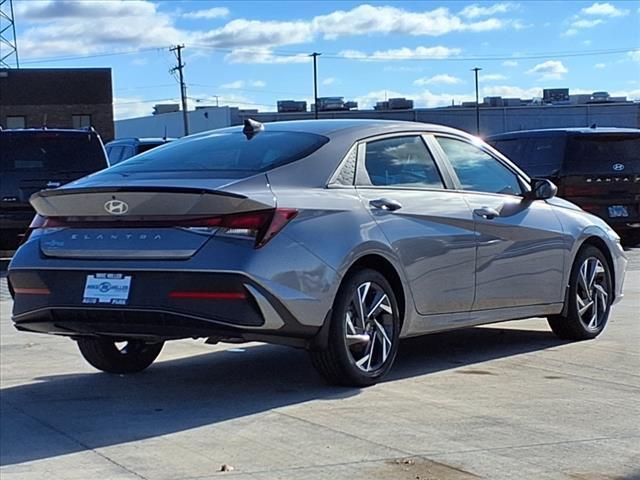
(16, 121)
(81, 121)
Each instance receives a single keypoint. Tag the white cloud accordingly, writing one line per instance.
(570, 32)
(402, 53)
(586, 42)
(474, 11)
(264, 55)
(65, 27)
(510, 63)
(368, 19)
(328, 81)
(584, 23)
(233, 85)
(634, 55)
(600, 66)
(422, 99)
(549, 70)
(604, 10)
(492, 77)
(132, 107)
(241, 32)
(258, 83)
(442, 79)
(215, 12)
(511, 91)
(54, 28)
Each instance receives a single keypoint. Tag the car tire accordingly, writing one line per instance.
(589, 298)
(105, 355)
(363, 334)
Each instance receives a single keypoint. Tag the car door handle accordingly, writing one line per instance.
(385, 204)
(487, 212)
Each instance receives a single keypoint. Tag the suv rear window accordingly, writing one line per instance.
(51, 152)
(598, 153)
(225, 154)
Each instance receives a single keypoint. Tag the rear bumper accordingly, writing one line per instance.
(51, 301)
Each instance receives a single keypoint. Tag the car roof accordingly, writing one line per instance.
(551, 132)
(140, 141)
(361, 127)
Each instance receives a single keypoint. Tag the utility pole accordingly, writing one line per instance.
(183, 86)
(315, 56)
(8, 39)
(476, 70)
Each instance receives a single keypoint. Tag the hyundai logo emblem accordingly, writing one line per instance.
(116, 207)
(618, 167)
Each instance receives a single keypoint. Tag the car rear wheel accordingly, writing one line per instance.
(364, 332)
(109, 356)
(590, 297)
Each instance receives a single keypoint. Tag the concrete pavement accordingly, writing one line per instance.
(508, 401)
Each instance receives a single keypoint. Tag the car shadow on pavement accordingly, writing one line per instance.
(63, 414)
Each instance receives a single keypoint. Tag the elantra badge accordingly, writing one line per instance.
(618, 167)
(116, 207)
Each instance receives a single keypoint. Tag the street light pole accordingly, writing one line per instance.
(315, 82)
(476, 70)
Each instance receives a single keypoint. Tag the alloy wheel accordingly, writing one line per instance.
(369, 321)
(592, 298)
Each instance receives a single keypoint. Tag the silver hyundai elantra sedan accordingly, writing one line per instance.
(338, 236)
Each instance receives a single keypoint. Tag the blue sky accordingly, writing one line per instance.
(250, 54)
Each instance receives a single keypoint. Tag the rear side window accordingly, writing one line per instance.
(599, 153)
(545, 156)
(401, 162)
(225, 154)
(477, 170)
(51, 152)
(514, 149)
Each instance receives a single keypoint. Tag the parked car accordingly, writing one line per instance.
(124, 148)
(338, 236)
(36, 159)
(595, 168)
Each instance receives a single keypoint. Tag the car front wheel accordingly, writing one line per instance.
(119, 357)
(589, 300)
(364, 332)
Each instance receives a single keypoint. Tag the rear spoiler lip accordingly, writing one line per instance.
(121, 189)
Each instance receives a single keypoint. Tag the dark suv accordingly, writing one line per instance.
(125, 148)
(595, 168)
(35, 159)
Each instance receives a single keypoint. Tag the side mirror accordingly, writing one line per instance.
(542, 189)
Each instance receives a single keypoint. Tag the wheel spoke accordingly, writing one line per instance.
(384, 340)
(583, 306)
(582, 280)
(363, 290)
(592, 271)
(350, 326)
(381, 303)
(372, 344)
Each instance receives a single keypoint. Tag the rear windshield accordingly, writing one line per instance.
(599, 153)
(225, 154)
(51, 152)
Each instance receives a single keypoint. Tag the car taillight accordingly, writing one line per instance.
(260, 225)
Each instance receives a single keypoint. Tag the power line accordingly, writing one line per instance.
(337, 55)
(93, 55)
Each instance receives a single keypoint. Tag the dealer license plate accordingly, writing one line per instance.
(111, 288)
